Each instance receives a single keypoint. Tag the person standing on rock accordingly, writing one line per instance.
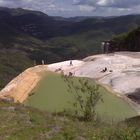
(71, 63)
(43, 62)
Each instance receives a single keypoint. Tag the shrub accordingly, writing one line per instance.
(86, 97)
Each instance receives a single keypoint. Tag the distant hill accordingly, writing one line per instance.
(76, 19)
(27, 35)
(34, 23)
(115, 24)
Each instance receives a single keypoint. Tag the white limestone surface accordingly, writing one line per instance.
(122, 75)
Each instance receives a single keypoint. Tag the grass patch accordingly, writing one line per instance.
(51, 94)
(18, 122)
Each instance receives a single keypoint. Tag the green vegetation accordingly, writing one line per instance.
(29, 35)
(86, 97)
(51, 94)
(79, 45)
(10, 65)
(128, 41)
(18, 122)
(36, 36)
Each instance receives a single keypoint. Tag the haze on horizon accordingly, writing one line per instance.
(71, 8)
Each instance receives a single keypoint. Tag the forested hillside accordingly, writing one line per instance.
(26, 36)
(129, 41)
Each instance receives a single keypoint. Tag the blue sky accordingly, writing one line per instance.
(70, 8)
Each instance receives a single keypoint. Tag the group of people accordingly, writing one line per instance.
(105, 70)
(62, 71)
(107, 47)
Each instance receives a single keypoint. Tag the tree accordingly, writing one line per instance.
(86, 96)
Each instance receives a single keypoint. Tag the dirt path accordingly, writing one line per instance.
(21, 86)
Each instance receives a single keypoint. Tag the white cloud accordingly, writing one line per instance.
(51, 7)
(110, 7)
(102, 2)
(109, 3)
(76, 1)
(77, 7)
(86, 8)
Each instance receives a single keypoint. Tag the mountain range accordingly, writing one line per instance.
(29, 36)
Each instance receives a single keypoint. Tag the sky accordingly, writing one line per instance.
(71, 8)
